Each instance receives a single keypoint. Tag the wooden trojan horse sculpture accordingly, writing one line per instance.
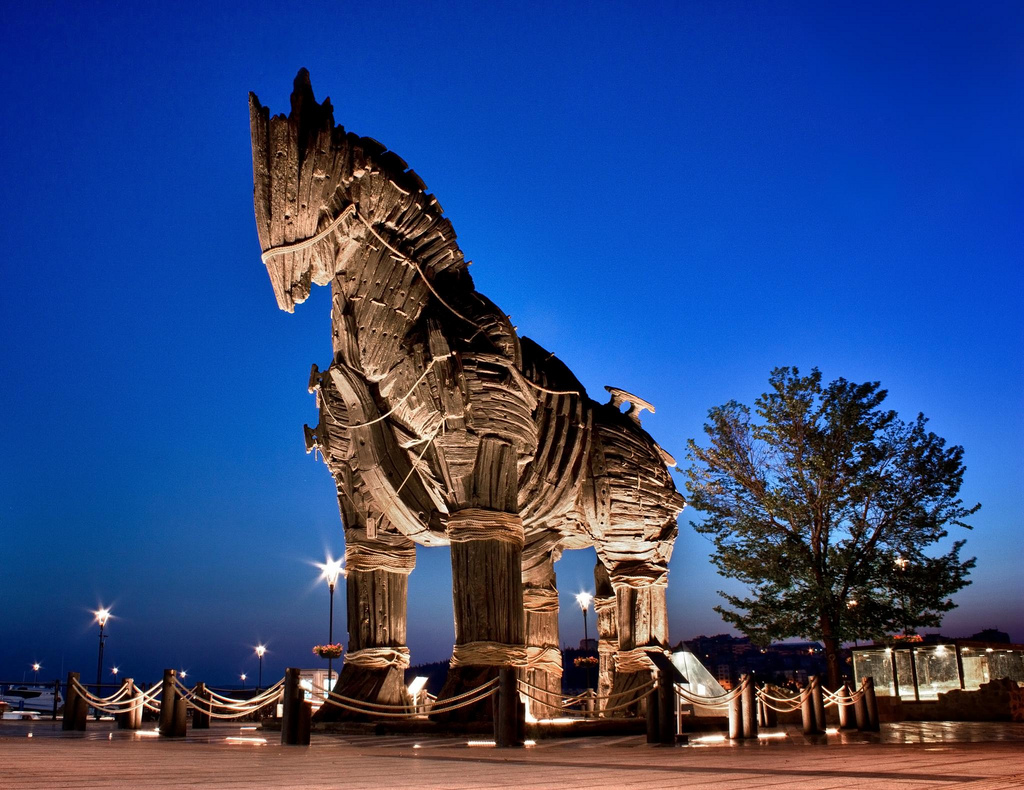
(442, 427)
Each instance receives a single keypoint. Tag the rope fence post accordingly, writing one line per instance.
(819, 703)
(507, 733)
(871, 704)
(126, 719)
(860, 710)
(56, 697)
(200, 717)
(76, 711)
(843, 704)
(807, 712)
(172, 708)
(748, 712)
(666, 694)
(735, 718)
(296, 713)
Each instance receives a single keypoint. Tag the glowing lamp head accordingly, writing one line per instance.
(584, 599)
(331, 570)
(102, 615)
(114, 671)
(36, 667)
(260, 650)
(243, 676)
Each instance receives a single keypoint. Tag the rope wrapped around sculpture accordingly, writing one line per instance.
(654, 576)
(546, 659)
(637, 659)
(540, 600)
(473, 523)
(488, 654)
(379, 556)
(379, 658)
(604, 603)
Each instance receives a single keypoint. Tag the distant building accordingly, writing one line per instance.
(729, 657)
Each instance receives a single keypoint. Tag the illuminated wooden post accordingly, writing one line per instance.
(76, 709)
(131, 719)
(871, 704)
(807, 710)
(642, 621)
(486, 540)
(747, 697)
(540, 603)
(296, 712)
(173, 709)
(819, 703)
(200, 718)
(860, 710)
(377, 566)
(735, 717)
(607, 613)
(844, 706)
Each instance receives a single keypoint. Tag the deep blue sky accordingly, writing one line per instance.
(673, 198)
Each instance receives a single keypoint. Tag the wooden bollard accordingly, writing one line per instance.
(200, 718)
(771, 718)
(818, 697)
(76, 710)
(860, 711)
(871, 704)
(807, 712)
(128, 719)
(173, 709)
(735, 718)
(653, 735)
(296, 713)
(56, 697)
(747, 707)
(844, 706)
(507, 734)
(666, 693)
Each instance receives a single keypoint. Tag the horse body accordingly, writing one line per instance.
(441, 425)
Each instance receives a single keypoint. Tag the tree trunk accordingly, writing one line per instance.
(832, 646)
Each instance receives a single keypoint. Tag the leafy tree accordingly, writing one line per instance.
(824, 505)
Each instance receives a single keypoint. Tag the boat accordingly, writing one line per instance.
(31, 698)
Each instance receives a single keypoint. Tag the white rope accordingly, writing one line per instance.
(405, 397)
(298, 246)
(426, 281)
(544, 659)
(474, 523)
(491, 654)
(379, 657)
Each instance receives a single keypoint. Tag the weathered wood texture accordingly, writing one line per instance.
(433, 404)
(540, 601)
(607, 631)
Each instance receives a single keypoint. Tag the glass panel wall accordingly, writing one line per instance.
(905, 674)
(876, 664)
(936, 670)
(975, 667)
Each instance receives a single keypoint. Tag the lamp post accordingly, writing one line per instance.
(330, 571)
(260, 650)
(102, 615)
(584, 599)
(35, 672)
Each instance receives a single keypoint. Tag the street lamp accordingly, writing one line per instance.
(242, 676)
(35, 672)
(102, 615)
(584, 599)
(260, 650)
(902, 563)
(114, 671)
(330, 571)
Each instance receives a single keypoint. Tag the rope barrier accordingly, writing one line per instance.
(406, 714)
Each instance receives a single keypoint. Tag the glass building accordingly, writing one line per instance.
(921, 671)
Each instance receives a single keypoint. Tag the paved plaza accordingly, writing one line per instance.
(38, 756)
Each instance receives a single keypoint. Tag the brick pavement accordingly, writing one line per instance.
(38, 756)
